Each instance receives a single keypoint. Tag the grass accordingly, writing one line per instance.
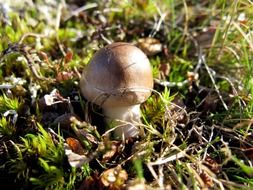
(197, 122)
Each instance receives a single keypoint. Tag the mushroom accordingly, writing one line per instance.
(119, 78)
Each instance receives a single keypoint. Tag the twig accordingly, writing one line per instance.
(161, 176)
(196, 175)
(213, 81)
(105, 39)
(199, 50)
(152, 171)
(30, 34)
(157, 25)
(57, 25)
(81, 9)
(209, 141)
(229, 183)
(29, 59)
(195, 72)
(235, 93)
(171, 84)
(160, 161)
(26, 52)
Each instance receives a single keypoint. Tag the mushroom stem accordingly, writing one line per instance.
(127, 117)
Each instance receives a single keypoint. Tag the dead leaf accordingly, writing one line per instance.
(68, 57)
(75, 160)
(212, 164)
(51, 99)
(112, 150)
(75, 145)
(44, 56)
(91, 182)
(63, 76)
(150, 46)
(206, 179)
(114, 178)
(192, 77)
(205, 37)
(164, 70)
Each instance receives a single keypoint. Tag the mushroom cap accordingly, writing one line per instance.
(118, 75)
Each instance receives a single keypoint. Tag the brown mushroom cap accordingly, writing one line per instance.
(118, 75)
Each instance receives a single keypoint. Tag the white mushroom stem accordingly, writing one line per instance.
(126, 117)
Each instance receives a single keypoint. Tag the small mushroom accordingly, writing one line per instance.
(119, 78)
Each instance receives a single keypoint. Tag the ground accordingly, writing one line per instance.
(197, 122)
